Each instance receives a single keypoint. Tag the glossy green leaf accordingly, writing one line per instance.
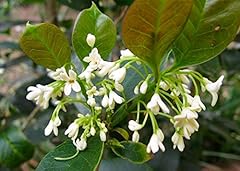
(87, 160)
(212, 25)
(151, 26)
(93, 21)
(134, 152)
(14, 147)
(46, 45)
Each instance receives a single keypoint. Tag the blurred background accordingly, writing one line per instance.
(216, 147)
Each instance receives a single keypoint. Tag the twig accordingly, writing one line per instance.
(30, 117)
(118, 19)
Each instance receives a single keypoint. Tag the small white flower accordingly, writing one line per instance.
(56, 74)
(87, 74)
(72, 131)
(94, 59)
(118, 75)
(71, 82)
(213, 88)
(155, 144)
(92, 131)
(135, 136)
(197, 104)
(157, 102)
(104, 68)
(91, 101)
(40, 94)
(189, 126)
(136, 90)
(52, 127)
(115, 97)
(143, 87)
(103, 136)
(184, 79)
(186, 89)
(134, 126)
(178, 141)
(80, 144)
(118, 87)
(187, 113)
(164, 85)
(105, 101)
(91, 40)
(126, 53)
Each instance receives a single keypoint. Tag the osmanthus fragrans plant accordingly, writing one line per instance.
(148, 81)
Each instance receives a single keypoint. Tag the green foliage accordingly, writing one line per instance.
(134, 152)
(46, 45)
(124, 2)
(151, 26)
(93, 21)
(212, 25)
(14, 147)
(87, 160)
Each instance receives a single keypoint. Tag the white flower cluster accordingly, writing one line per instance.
(173, 92)
(108, 89)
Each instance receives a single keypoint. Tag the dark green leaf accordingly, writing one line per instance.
(14, 147)
(211, 27)
(134, 152)
(46, 45)
(93, 21)
(151, 26)
(86, 160)
(118, 164)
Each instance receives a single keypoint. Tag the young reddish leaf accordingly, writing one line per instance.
(212, 25)
(151, 26)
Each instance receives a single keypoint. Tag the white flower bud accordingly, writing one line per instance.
(118, 75)
(143, 87)
(134, 126)
(103, 136)
(91, 40)
(72, 131)
(136, 90)
(178, 142)
(80, 144)
(92, 131)
(135, 136)
(105, 101)
(118, 87)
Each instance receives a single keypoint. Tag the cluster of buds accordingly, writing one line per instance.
(172, 98)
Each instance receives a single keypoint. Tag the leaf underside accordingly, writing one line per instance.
(46, 45)
(151, 26)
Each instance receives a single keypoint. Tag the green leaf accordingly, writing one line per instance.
(122, 132)
(151, 26)
(93, 21)
(14, 147)
(118, 164)
(134, 152)
(212, 25)
(87, 160)
(46, 45)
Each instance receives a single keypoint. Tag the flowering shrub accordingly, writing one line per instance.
(163, 39)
